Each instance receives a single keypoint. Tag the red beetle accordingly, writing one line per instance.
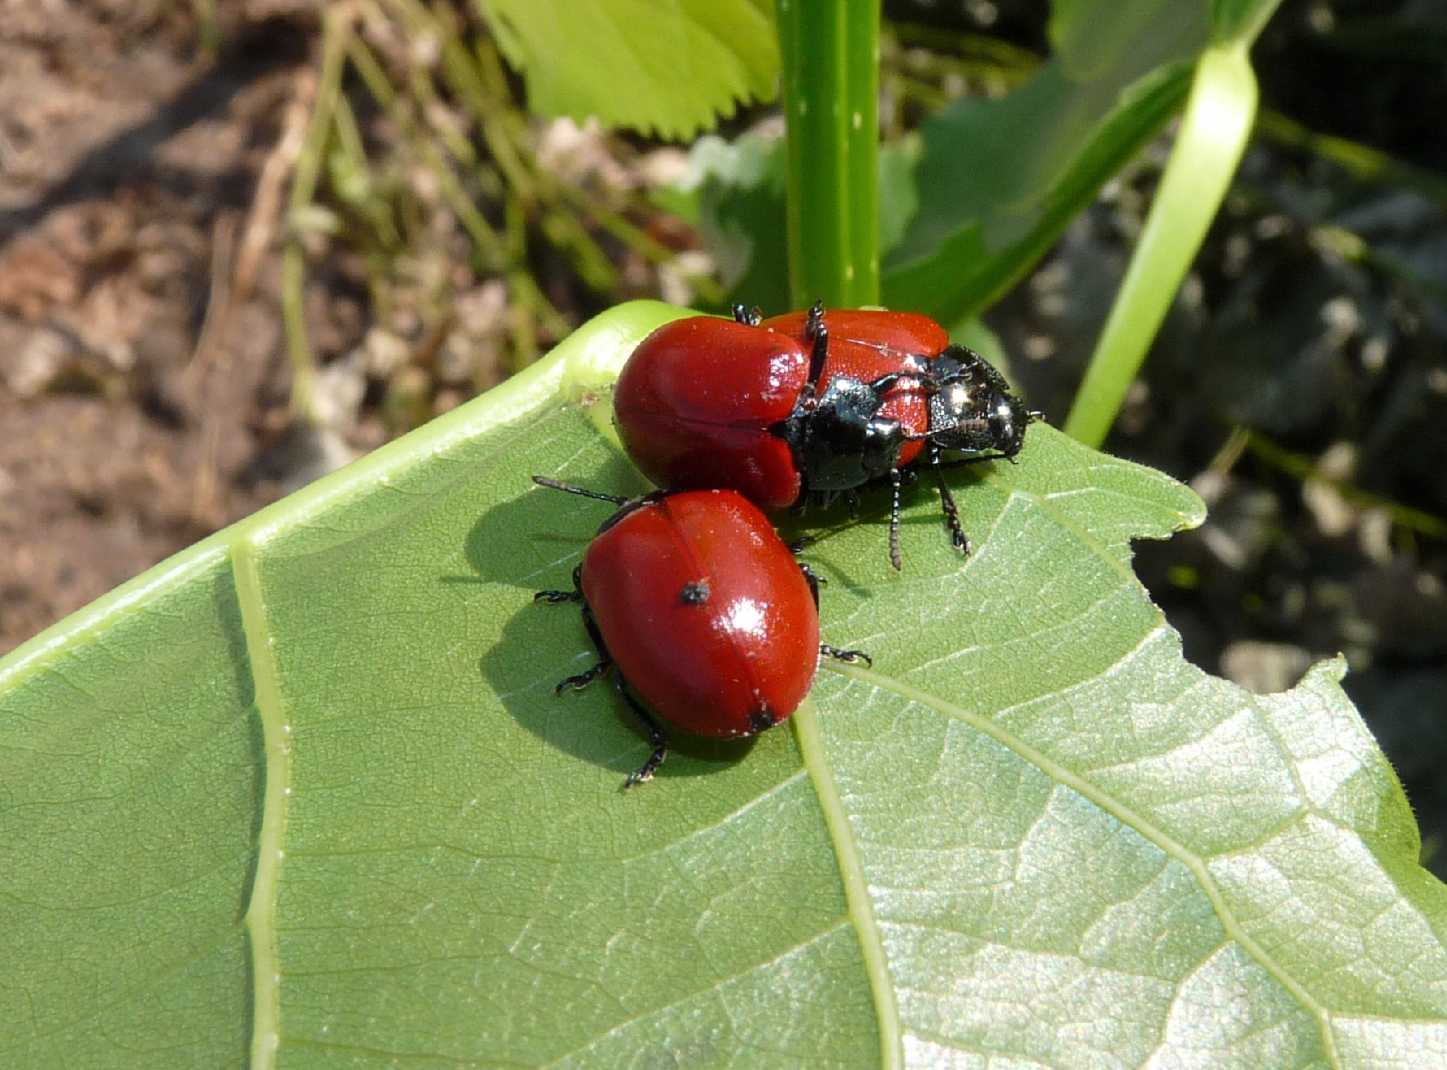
(793, 409)
(702, 613)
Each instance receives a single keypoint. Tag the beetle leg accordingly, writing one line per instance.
(605, 660)
(814, 319)
(947, 502)
(583, 679)
(818, 335)
(813, 579)
(853, 657)
(655, 735)
(896, 480)
(978, 458)
(887, 382)
(749, 317)
(554, 597)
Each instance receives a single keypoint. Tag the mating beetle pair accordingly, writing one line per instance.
(688, 594)
(806, 407)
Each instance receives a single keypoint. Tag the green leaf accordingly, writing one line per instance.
(1239, 20)
(734, 193)
(1209, 144)
(304, 793)
(1208, 147)
(999, 180)
(672, 68)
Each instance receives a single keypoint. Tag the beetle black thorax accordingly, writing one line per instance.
(838, 439)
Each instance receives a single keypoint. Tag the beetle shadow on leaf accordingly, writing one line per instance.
(922, 531)
(533, 541)
(540, 644)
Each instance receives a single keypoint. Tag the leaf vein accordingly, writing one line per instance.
(1194, 863)
(260, 919)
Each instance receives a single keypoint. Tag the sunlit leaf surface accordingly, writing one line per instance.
(671, 68)
(303, 796)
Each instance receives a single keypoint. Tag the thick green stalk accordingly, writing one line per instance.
(1213, 134)
(830, 54)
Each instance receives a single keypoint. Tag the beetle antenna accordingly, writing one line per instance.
(553, 484)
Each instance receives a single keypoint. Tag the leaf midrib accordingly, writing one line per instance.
(1128, 817)
(851, 868)
(859, 903)
(260, 919)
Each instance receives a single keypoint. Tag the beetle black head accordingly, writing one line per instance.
(972, 407)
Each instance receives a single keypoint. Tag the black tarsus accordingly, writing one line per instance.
(575, 595)
(814, 580)
(655, 735)
(605, 662)
(958, 537)
(655, 732)
(582, 679)
(853, 657)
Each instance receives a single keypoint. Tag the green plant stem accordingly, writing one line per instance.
(485, 239)
(1305, 468)
(208, 26)
(457, 142)
(926, 94)
(1212, 137)
(830, 56)
(996, 55)
(363, 196)
(931, 54)
(349, 135)
(638, 240)
(369, 68)
(336, 34)
(1360, 161)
